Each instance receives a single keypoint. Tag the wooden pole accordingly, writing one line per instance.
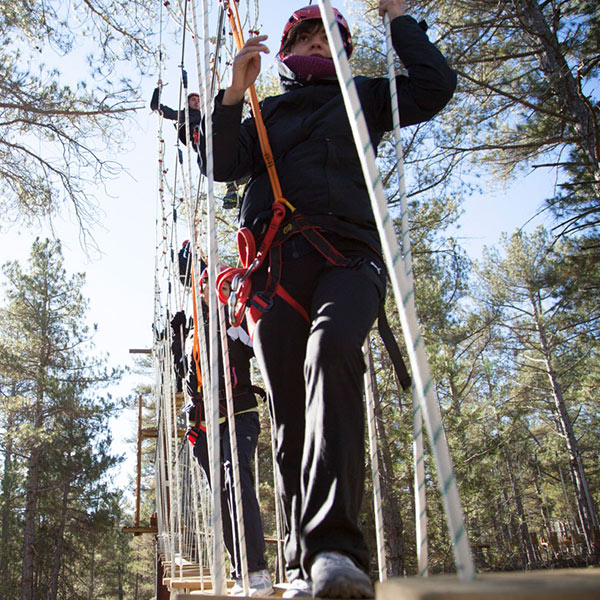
(138, 489)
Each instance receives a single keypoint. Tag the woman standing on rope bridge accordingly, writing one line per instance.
(319, 294)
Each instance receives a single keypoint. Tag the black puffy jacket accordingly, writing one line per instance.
(312, 142)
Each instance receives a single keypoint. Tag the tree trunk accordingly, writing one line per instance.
(562, 81)
(58, 550)
(545, 511)
(33, 474)
(120, 574)
(584, 499)
(529, 553)
(7, 495)
(392, 515)
(501, 529)
(92, 572)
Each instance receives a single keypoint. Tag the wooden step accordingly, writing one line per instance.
(279, 589)
(191, 583)
(556, 584)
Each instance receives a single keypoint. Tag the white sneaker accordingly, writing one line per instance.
(335, 575)
(259, 583)
(299, 588)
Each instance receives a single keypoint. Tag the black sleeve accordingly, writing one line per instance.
(168, 113)
(154, 100)
(428, 87)
(179, 333)
(235, 144)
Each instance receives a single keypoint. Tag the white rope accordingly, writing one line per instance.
(377, 506)
(195, 495)
(404, 294)
(418, 449)
(218, 572)
(237, 489)
(278, 518)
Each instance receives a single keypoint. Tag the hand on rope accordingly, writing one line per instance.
(393, 8)
(245, 69)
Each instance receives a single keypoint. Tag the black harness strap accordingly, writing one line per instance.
(389, 341)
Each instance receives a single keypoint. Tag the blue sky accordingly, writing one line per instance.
(120, 282)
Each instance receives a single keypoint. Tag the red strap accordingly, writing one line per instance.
(246, 246)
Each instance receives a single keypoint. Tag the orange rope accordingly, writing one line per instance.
(196, 346)
(236, 27)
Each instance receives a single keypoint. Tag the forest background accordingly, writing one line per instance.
(511, 330)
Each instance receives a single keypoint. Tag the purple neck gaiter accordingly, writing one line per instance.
(310, 67)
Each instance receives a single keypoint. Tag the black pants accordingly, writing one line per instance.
(247, 429)
(314, 377)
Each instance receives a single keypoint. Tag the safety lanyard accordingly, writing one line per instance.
(263, 139)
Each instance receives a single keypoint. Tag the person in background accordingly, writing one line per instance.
(194, 115)
(247, 428)
(231, 197)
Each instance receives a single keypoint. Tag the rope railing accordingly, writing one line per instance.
(188, 510)
(371, 428)
(404, 294)
(418, 446)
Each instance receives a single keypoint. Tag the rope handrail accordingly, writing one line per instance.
(418, 446)
(265, 145)
(371, 428)
(404, 294)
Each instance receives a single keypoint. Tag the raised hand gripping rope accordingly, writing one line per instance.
(250, 258)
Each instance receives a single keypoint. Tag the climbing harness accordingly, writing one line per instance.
(281, 226)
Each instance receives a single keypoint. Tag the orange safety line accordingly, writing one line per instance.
(236, 27)
(196, 346)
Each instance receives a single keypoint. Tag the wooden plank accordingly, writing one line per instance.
(193, 595)
(137, 530)
(188, 568)
(152, 432)
(191, 583)
(557, 584)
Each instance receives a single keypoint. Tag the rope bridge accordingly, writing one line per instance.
(189, 530)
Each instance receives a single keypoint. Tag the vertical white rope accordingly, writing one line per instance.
(418, 449)
(200, 511)
(196, 511)
(278, 523)
(240, 539)
(161, 488)
(377, 505)
(218, 574)
(176, 479)
(237, 489)
(169, 479)
(404, 294)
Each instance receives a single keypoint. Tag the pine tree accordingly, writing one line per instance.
(548, 339)
(56, 131)
(57, 424)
